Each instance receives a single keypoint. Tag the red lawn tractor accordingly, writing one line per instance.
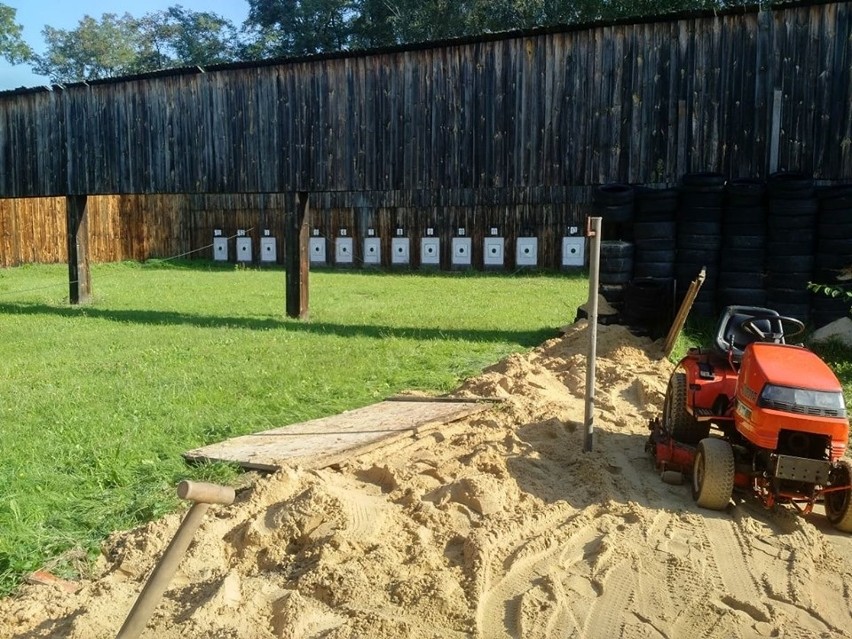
(756, 414)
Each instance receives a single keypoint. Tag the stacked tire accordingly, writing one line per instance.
(613, 203)
(833, 254)
(699, 237)
(654, 233)
(741, 274)
(616, 270)
(791, 232)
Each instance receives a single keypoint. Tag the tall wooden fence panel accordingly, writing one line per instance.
(512, 131)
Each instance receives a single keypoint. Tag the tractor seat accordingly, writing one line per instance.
(730, 336)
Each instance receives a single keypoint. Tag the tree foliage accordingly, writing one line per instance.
(299, 27)
(120, 45)
(12, 46)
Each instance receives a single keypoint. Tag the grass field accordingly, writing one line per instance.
(99, 402)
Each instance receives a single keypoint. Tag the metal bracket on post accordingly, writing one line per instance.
(593, 232)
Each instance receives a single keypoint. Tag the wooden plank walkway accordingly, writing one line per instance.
(323, 442)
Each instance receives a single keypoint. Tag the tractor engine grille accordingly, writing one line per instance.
(799, 444)
(803, 410)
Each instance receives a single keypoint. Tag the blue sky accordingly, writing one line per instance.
(33, 15)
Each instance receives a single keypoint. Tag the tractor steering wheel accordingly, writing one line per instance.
(796, 326)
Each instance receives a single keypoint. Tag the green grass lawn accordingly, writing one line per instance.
(99, 402)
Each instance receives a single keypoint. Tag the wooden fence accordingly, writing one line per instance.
(506, 131)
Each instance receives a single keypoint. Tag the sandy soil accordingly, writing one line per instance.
(497, 526)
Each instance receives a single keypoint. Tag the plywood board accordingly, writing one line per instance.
(322, 442)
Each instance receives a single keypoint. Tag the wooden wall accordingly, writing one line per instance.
(138, 227)
(636, 103)
(506, 132)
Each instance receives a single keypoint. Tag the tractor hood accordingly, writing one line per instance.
(790, 366)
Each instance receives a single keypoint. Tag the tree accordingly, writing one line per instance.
(95, 49)
(12, 46)
(298, 27)
(121, 45)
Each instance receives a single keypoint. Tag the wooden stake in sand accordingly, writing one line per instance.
(593, 231)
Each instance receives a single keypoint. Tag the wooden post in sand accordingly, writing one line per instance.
(593, 231)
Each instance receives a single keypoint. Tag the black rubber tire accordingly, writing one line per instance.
(682, 426)
(692, 198)
(704, 308)
(789, 263)
(616, 248)
(696, 256)
(614, 213)
(838, 505)
(744, 215)
(694, 227)
(804, 237)
(713, 473)
(832, 261)
(794, 281)
(793, 184)
(742, 260)
(827, 231)
(703, 179)
(653, 269)
(653, 231)
(733, 279)
(799, 311)
(615, 277)
(741, 297)
(794, 248)
(613, 194)
(616, 264)
(830, 205)
(744, 241)
(837, 246)
(699, 214)
(733, 228)
(643, 255)
(612, 293)
(699, 242)
(745, 191)
(794, 223)
(794, 296)
(657, 245)
(646, 300)
(787, 208)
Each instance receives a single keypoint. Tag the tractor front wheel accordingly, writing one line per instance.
(838, 504)
(713, 473)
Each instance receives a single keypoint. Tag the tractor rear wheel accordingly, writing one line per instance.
(680, 423)
(713, 473)
(838, 505)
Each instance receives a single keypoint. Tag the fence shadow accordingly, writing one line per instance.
(527, 338)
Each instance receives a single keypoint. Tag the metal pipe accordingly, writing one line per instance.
(593, 231)
(203, 495)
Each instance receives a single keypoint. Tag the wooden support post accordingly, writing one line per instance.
(79, 278)
(298, 259)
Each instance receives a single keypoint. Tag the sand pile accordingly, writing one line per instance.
(495, 526)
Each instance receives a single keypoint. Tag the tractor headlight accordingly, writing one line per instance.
(803, 401)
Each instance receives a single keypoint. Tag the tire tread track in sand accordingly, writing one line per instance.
(731, 556)
(607, 615)
(498, 613)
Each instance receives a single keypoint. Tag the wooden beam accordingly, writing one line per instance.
(297, 258)
(79, 278)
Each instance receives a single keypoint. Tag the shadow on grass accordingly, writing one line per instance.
(166, 318)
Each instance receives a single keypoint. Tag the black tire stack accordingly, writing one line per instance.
(833, 254)
(699, 237)
(654, 233)
(616, 270)
(613, 203)
(741, 274)
(791, 232)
